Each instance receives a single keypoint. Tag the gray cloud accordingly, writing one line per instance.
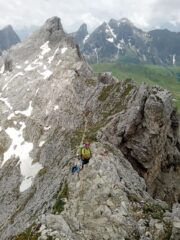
(146, 14)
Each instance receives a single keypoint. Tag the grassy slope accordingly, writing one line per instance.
(151, 74)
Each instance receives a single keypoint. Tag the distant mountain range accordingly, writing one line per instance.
(117, 40)
(8, 37)
(121, 40)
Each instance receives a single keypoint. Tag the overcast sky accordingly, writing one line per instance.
(146, 14)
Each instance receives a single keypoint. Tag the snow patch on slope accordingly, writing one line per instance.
(26, 112)
(56, 108)
(5, 101)
(47, 128)
(86, 38)
(21, 149)
(18, 67)
(174, 59)
(97, 57)
(41, 143)
(2, 69)
(37, 62)
(46, 74)
(30, 68)
(110, 40)
(110, 31)
(45, 48)
(50, 59)
(63, 50)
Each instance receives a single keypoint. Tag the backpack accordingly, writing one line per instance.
(75, 169)
(85, 153)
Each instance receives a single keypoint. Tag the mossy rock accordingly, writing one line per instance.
(75, 137)
(60, 201)
(119, 104)
(155, 210)
(49, 238)
(30, 233)
(167, 231)
(105, 92)
(43, 171)
(92, 130)
(133, 197)
(91, 82)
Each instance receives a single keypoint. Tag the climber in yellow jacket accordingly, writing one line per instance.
(84, 156)
(85, 153)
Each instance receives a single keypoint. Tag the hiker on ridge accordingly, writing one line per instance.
(84, 156)
(85, 153)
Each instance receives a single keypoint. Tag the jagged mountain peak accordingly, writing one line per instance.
(122, 22)
(51, 32)
(8, 27)
(112, 20)
(83, 28)
(125, 21)
(81, 36)
(51, 29)
(53, 24)
(8, 37)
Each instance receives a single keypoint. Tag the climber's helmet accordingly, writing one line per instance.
(86, 144)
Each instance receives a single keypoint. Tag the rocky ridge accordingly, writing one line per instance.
(50, 101)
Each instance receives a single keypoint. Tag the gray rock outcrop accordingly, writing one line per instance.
(147, 134)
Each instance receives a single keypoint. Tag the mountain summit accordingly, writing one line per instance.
(8, 37)
(50, 102)
(81, 35)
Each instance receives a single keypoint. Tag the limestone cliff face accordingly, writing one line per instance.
(50, 101)
(147, 134)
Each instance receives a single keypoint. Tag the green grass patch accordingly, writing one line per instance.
(105, 92)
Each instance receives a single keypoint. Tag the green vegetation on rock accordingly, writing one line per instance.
(91, 82)
(105, 92)
(75, 137)
(62, 195)
(43, 171)
(155, 210)
(167, 231)
(30, 233)
(133, 197)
